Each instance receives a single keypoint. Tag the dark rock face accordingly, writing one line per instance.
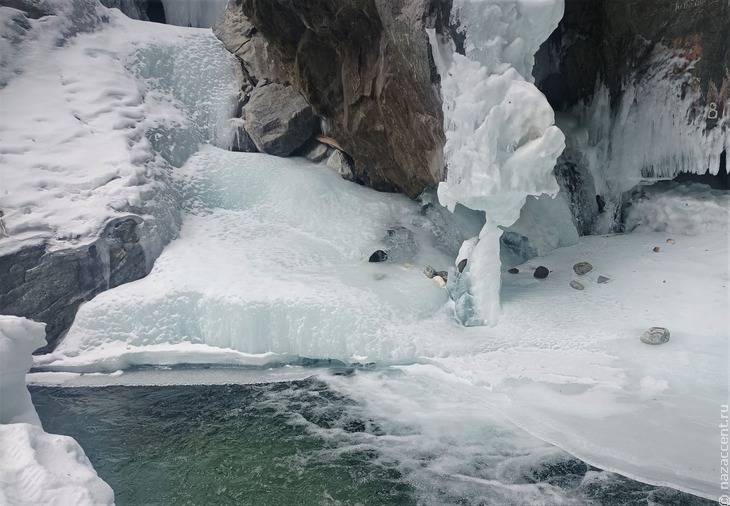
(49, 286)
(363, 66)
(277, 119)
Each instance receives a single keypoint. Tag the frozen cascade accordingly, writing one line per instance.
(501, 141)
(195, 13)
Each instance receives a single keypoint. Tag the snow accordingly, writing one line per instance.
(82, 124)
(18, 339)
(36, 468)
(42, 468)
(501, 141)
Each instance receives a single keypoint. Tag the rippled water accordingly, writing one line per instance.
(302, 442)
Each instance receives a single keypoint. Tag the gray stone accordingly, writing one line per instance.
(462, 265)
(429, 271)
(443, 275)
(603, 279)
(278, 119)
(315, 151)
(513, 270)
(576, 285)
(582, 268)
(655, 335)
(541, 272)
(242, 141)
(378, 256)
(342, 165)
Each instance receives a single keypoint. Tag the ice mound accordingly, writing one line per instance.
(501, 140)
(271, 259)
(673, 208)
(36, 468)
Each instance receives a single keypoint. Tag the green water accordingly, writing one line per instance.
(301, 443)
(231, 444)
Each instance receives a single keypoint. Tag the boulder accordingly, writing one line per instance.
(278, 119)
(582, 268)
(541, 272)
(577, 286)
(341, 164)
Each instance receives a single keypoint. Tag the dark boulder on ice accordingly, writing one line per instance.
(603, 279)
(513, 270)
(582, 268)
(378, 256)
(429, 271)
(365, 67)
(541, 272)
(314, 151)
(655, 335)
(462, 265)
(278, 119)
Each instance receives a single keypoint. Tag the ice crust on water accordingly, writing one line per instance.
(37, 468)
(501, 141)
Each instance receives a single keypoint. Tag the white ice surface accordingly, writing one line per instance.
(36, 467)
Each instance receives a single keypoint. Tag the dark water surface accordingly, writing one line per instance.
(293, 443)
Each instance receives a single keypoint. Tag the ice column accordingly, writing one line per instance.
(501, 140)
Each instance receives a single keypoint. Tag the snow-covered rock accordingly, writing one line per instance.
(18, 339)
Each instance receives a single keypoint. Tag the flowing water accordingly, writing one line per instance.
(305, 442)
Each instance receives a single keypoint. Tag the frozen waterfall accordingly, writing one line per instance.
(501, 141)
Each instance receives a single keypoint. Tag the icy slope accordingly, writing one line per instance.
(272, 258)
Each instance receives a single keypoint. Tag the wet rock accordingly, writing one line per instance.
(603, 279)
(541, 272)
(315, 151)
(378, 256)
(655, 335)
(582, 268)
(429, 271)
(462, 265)
(576, 285)
(278, 119)
(513, 270)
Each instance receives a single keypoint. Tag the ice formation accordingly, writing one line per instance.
(501, 141)
(195, 13)
(37, 468)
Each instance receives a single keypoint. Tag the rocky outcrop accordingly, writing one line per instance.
(49, 285)
(362, 65)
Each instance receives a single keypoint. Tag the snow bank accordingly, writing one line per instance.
(36, 468)
(42, 468)
(501, 141)
(19, 338)
(686, 209)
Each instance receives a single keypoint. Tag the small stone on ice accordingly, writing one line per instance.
(655, 335)
(603, 279)
(461, 265)
(429, 271)
(582, 268)
(443, 275)
(378, 256)
(670, 241)
(513, 270)
(656, 249)
(541, 272)
(576, 285)
(440, 281)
